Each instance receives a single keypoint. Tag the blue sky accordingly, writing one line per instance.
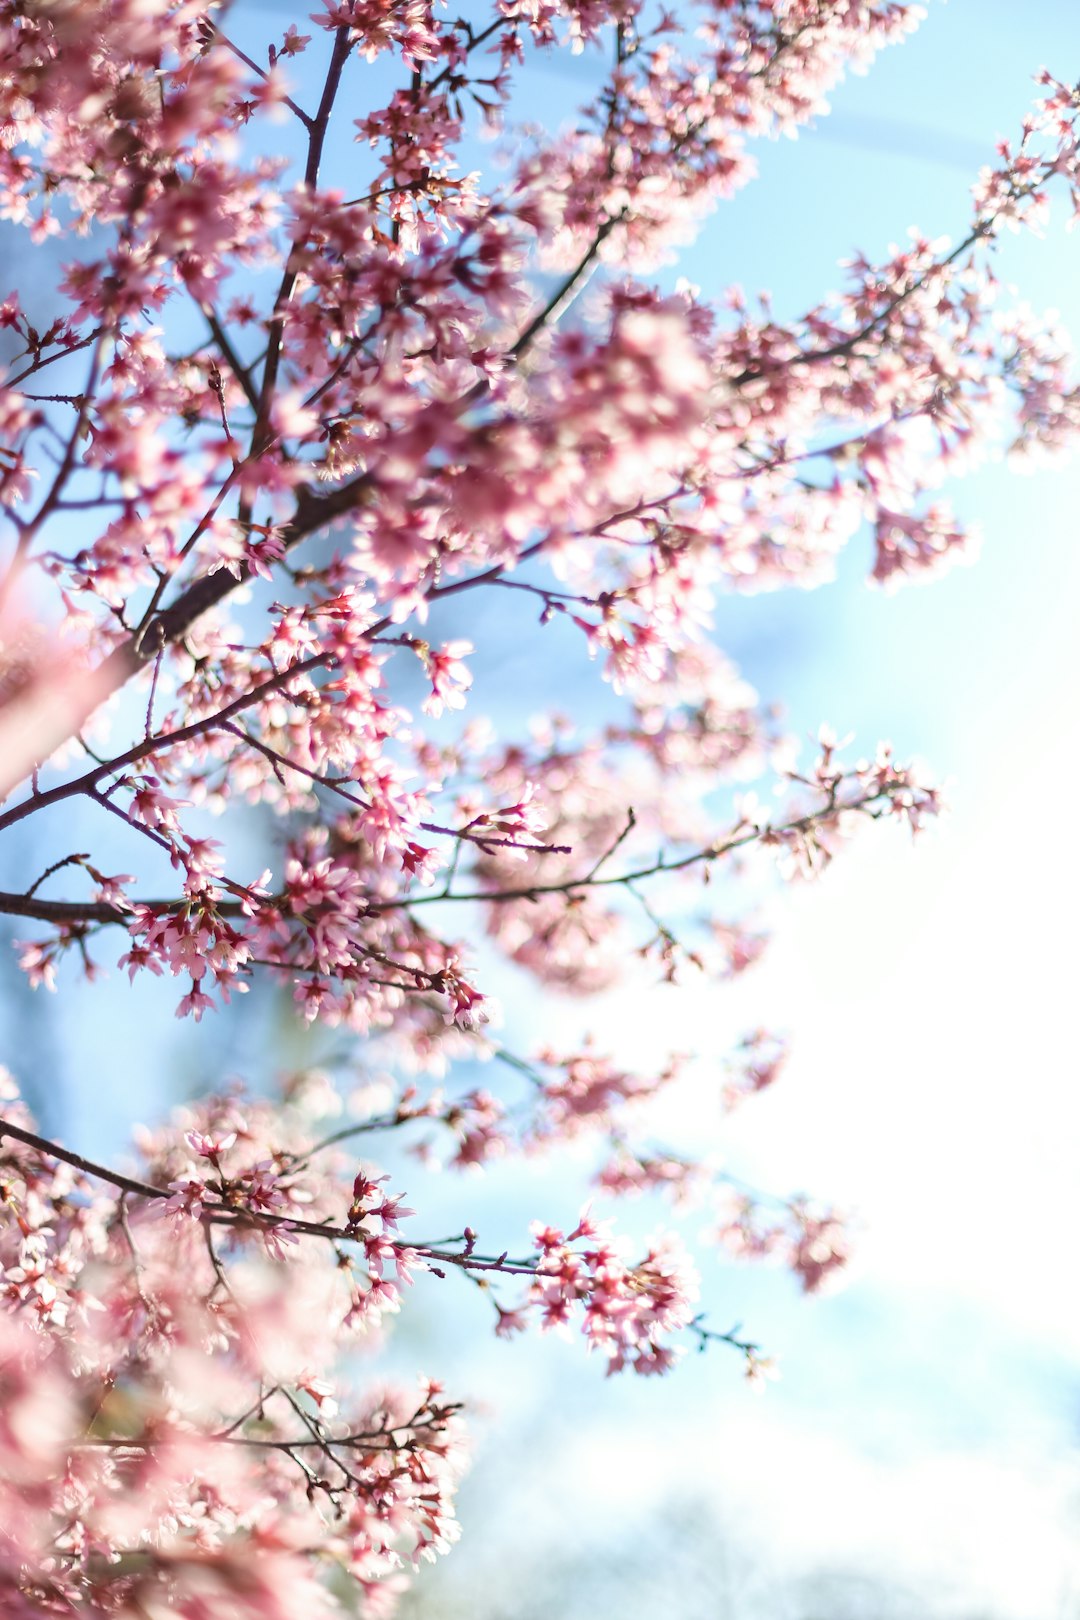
(924, 1435)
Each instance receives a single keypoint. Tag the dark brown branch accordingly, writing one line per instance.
(95, 911)
(141, 1189)
(568, 289)
(154, 745)
(39, 363)
(236, 365)
(848, 345)
(257, 1220)
(714, 852)
(312, 513)
(305, 118)
(317, 129)
(77, 912)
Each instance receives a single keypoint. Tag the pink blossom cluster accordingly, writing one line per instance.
(628, 1309)
(175, 1428)
(176, 1436)
(813, 1242)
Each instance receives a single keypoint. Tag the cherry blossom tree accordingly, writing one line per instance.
(271, 427)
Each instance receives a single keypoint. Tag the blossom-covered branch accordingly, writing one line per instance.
(286, 444)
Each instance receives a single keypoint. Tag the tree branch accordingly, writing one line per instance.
(223, 1215)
